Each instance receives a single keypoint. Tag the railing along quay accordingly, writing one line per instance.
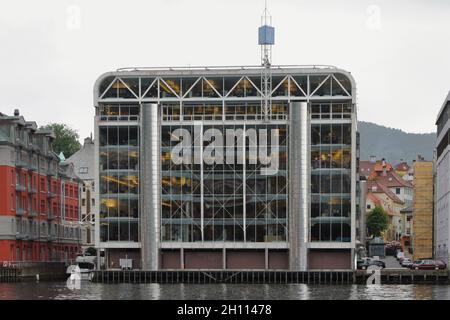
(223, 276)
(268, 277)
(10, 274)
(406, 276)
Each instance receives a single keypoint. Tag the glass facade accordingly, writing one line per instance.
(330, 182)
(119, 182)
(214, 200)
(227, 199)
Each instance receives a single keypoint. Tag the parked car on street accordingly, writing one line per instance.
(366, 262)
(400, 254)
(428, 265)
(406, 262)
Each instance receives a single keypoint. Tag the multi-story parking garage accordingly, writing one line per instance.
(194, 174)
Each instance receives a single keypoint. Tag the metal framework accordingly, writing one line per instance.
(158, 88)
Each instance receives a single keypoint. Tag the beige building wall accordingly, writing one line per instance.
(423, 210)
(394, 216)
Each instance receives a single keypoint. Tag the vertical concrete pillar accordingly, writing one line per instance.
(298, 185)
(266, 255)
(362, 211)
(150, 186)
(182, 258)
(224, 258)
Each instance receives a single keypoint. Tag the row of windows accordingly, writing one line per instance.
(112, 158)
(330, 182)
(331, 110)
(119, 231)
(443, 144)
(21, 178)
(257, 231)
(39, 252)
(25, 226)
(119, 136)
(331, 134)
(230, 109)
(71, 191)
(215, 111)
(71, 212)
(222, 184)
(112, 207)
(443, 118)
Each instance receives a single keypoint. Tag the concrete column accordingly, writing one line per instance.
(298, 185)
(362, 211)
(150, 186)
(224, 258)
(182, 258)
(266, 255)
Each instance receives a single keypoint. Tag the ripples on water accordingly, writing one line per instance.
(58, 290)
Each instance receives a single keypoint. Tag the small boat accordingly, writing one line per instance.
(82, 268)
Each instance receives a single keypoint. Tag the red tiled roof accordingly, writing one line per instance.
(393, 180)
(373, 198)
(402, 166)
(375, 187)
(366, 168)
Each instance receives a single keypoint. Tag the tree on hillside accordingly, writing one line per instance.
(377, 221)
(66, 139)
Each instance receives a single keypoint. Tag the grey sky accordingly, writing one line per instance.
(49, 62)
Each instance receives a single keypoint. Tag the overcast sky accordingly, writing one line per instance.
(52, 51)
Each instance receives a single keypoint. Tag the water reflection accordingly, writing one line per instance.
(93, 291)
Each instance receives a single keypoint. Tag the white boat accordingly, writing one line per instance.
(82, 268)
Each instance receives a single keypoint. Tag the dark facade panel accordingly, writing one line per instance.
(278, 260)
(116, 254)
(203, 260)
(241, 259)
(329, 259)
(170, 259)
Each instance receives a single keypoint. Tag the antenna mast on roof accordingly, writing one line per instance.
(266, 39)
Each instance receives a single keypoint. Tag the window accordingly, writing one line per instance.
(397, 190)
(83, 170)
(368, 206)
(83, 202)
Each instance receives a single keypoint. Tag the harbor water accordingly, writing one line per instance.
(153, 291)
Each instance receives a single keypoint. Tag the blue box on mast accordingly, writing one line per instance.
(266, 35)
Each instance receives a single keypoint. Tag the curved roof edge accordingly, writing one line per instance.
(447, 99)
(186, 71)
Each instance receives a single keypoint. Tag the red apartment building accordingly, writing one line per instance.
(39, 209)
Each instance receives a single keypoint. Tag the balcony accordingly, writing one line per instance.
(20, 212)
(20, 188)
(51, 173)
(21, 163)
(51, 238)
(21, 236)
(34, 148)
(32, 214)
(50, 216)
(32, 167)
(32, 190)
(51, 194)
(32, 237)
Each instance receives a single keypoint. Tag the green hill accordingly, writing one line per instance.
(394, 144)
